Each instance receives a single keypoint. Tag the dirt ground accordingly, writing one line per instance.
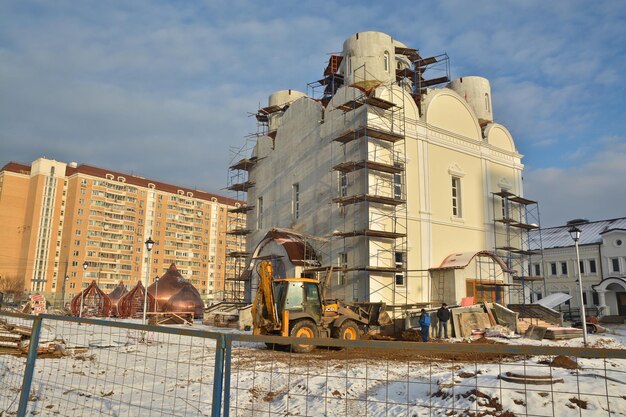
(386, 355)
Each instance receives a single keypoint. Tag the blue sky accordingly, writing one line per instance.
(163, 89)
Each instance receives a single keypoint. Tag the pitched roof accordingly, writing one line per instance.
(590, 233)
(129, 179)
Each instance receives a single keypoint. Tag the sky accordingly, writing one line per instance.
(165, 89)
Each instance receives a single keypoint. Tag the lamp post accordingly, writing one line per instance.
(574, 233)
(156, 294)
(82, 293)
(149, 243)
(63, 291)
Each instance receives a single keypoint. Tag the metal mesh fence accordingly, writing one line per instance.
(407, 379)
(12, 365)
(105, 367)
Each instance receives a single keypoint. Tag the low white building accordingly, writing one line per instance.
(602, 248)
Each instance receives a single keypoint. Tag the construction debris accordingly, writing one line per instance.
(501, 331)
(562, 333)
(15, 340)
(494, 320)
(12, 338)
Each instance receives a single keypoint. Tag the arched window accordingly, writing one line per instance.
(386, 61)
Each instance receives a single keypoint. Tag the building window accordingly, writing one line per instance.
(343, 184)
(259, 217)
(295, 201)
(592, 266)
(581, 265)
(537, 270)
(615, 265)
(487, 102)
(397, 186)
(552, 268)
(343, 265)
(456, 196)
(399, 262)
(386, 61)
(563, 268)
(594, 298)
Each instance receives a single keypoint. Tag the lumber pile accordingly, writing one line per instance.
(562, 333)
(13, 338)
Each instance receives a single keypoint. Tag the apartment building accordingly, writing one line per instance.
(399, 170)
(65, 225)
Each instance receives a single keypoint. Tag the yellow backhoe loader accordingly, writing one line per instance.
(296, 307)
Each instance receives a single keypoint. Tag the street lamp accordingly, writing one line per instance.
(574, 233)
(149, 243)
(82, 293)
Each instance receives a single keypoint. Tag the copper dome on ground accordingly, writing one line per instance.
(177, 294)
(115, 296)
(187, 300)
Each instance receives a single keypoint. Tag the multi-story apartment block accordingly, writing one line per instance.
(54, 217)
(602, 252)
(403, 181)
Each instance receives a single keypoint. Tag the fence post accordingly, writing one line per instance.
(227, 361)
(218, 376)
(30, 366)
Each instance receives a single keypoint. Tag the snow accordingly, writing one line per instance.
(126, 372)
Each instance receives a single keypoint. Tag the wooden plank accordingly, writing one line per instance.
(492, 319)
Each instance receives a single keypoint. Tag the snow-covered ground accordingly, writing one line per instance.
(172, 375)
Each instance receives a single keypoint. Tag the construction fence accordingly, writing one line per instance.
(66, 366)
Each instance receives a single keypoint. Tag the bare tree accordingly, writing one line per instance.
(11, 284)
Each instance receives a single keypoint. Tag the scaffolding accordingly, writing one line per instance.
(236, 228)
(514, 219)
(369, 177)
(370, 197)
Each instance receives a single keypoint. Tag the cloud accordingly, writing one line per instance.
(593, 189)
(163, 89)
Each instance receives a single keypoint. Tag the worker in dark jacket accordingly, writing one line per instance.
(424, 322)
(443, 314)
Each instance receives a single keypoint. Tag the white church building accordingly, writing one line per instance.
(408, 187)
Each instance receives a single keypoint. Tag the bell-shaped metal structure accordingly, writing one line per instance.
(131, 304)
(95, 302)
(176, 294)
(115, 296)
(187, 300)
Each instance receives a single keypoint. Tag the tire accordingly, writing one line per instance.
(348, 330)
(306, 329)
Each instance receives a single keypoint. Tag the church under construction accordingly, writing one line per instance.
(393, 180)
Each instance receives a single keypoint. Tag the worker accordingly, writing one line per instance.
(443, 314)
(424, 322)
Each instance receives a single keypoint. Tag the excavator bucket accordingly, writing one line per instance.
(377, 316)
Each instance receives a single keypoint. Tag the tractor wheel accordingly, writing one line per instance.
(348, 330)
(306, 329)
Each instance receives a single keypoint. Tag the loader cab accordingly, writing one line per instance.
(299, 296)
